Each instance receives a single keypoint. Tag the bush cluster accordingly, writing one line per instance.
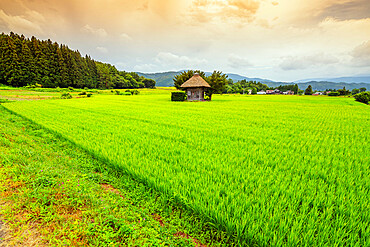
(363, 97)
(133, 92)
(66, 96)
(128, 92)
(178, 96)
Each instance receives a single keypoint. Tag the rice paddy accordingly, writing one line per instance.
(268, 170)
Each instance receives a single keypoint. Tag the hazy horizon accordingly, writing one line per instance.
(277, 40)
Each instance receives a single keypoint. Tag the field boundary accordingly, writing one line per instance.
(166, 201)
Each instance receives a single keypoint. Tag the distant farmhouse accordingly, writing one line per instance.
(276, 91)
(195, 88)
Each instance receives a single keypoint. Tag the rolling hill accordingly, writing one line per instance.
(165, 79)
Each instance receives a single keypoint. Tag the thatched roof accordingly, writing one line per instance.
(195, 81)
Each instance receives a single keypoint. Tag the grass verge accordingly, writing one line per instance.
(53, 193)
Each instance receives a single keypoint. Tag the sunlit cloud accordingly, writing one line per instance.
(29, 23)
(178, 62)
(102, 49)
(220, 10)
(99, 32)
(282, 37)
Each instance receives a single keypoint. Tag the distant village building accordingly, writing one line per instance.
(289, 92)
(261, 92)
(275, 91)
(195, 88)
(249, 91)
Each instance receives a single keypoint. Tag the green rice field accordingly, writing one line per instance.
(268, 170)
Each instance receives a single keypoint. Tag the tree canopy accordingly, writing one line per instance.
(26, 62)
(308, 90)
(179, 79)
(243, 86)
(218, 82)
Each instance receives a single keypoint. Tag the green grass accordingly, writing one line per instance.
(54, 194)
(268, 170)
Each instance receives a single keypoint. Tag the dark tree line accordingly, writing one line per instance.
(290, 87)
(243, 86)
(25, 62)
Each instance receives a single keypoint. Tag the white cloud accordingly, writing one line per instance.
(100, 32)
(178, 62)
(361, 55)
(146, 67)
(121, 65)
(102, 49)
(304, 62)
(237, 62)
(125, 37)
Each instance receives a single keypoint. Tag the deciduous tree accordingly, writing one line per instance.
(218, 82)
(179, 79)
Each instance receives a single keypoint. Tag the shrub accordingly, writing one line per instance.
(66, 96)
(118, 92)
(126, 93)
(71, 88)
(129, 91)
(132, 92)
(363, 97)
(3, 101)
(89, 95)
(178, 96)
(82, 93)
(333, 94)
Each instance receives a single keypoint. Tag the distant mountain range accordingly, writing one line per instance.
(165, 79)
(353, 79)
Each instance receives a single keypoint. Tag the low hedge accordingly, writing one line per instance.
(178, 96)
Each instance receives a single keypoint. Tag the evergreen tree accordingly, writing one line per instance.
(308, 90)
(30, 61)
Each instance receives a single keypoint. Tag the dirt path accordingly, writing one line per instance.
(2, 229)
(2, 234)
